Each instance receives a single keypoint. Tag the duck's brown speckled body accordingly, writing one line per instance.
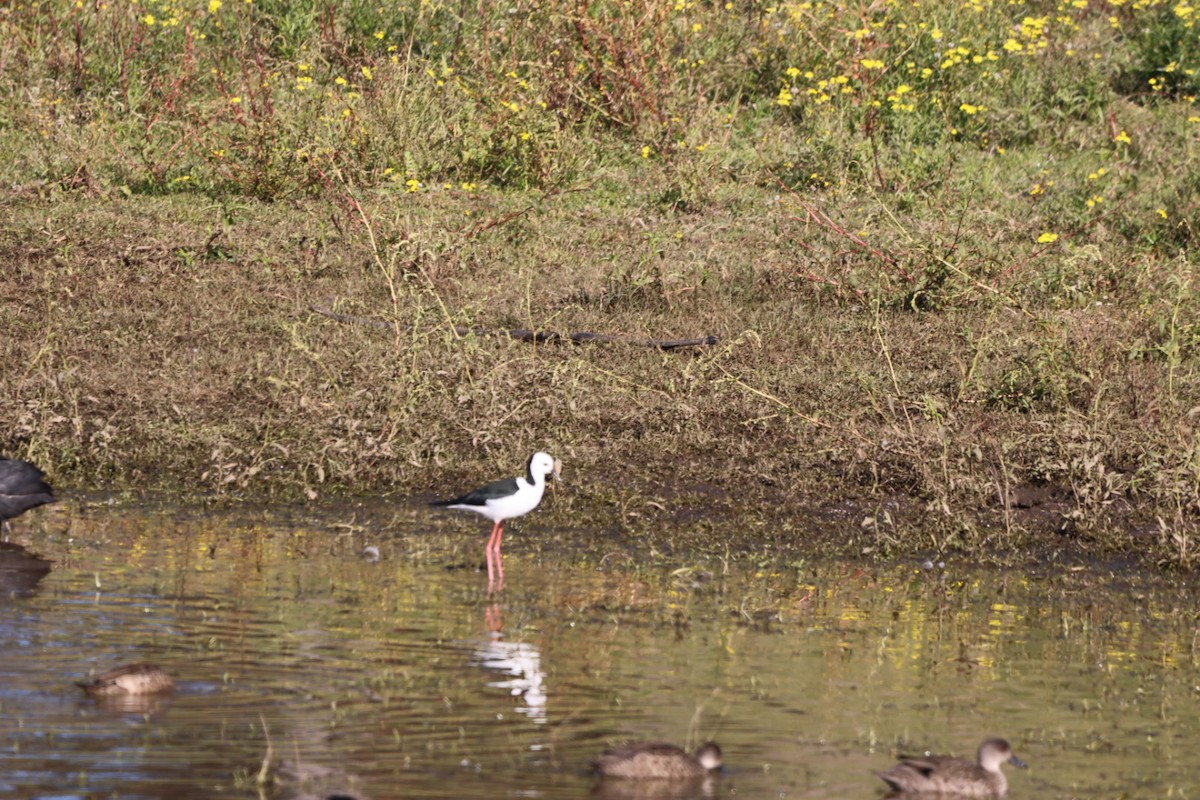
(955, 776)
(131, 679)
(657, 761)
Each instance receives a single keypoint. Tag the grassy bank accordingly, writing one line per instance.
(946, 251)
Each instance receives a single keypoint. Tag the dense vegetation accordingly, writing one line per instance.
(946, 247)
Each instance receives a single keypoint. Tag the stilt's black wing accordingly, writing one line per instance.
(480, 496)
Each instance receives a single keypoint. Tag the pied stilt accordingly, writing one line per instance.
(505, 499)
(21, 488)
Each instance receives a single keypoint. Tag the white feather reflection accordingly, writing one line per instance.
(521, 665)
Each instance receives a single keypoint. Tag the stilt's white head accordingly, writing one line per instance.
(543, 465)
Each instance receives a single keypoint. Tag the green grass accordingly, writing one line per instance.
(946, 249)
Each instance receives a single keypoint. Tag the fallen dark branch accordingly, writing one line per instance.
(527, 335)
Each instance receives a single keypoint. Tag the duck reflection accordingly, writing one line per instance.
(623, 789)
(519, 662)
(302, 780)
(140, 705)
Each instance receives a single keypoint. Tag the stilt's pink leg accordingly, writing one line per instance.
(499, 561)
(488, 553)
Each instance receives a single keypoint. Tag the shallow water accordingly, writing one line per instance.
(402, 678)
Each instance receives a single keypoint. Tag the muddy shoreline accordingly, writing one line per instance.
(704, 522)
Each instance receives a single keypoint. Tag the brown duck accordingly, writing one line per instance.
(657, 761)
(131, 679)
(955, 776)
